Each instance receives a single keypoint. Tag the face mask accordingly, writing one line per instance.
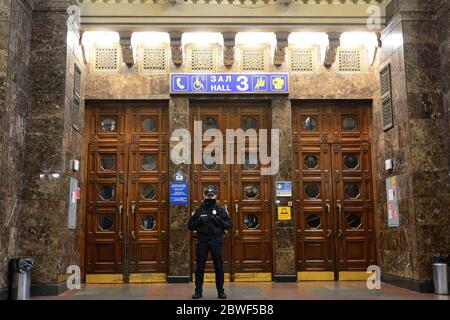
(210, 202)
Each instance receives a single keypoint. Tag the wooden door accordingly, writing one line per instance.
(126, 192)
(241, 189)
(334, 216)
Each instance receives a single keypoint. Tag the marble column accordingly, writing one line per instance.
(418, 145)
(53, 139)
(284, 231)
(15, 30)
(179, 235)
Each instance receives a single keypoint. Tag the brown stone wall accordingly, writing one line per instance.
(15, 27)
(51, 143)
(418, 144)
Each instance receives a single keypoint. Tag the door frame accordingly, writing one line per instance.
(230, 99)
(368, 103)
(89, 104)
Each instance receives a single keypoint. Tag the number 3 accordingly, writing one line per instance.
(243, 86)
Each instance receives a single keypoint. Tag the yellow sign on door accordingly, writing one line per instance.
(284, 213)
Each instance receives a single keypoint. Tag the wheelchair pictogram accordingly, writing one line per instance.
(199, 83)
(259, 83)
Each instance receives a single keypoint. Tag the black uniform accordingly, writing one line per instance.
(210, 223)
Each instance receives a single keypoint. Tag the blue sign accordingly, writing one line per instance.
(179, 193)
(284, 189)
(229, 83)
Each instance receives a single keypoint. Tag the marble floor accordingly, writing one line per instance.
(344, 290)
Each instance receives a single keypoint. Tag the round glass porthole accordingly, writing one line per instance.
(148, 222)
(107, 163)
(209, 162)
(311, 161)
(251, 161)
(108, 125)
(313, 221)
(349, 123)
(106, 223)
(312, 190)
(309, 124)
(251, 191)
(250, 123)
(106, 192)
(251, 221)
(354, 221)
(350, 161)
(148, 124)
(209, 123)
(148, 191)
(148, 162)
(352, 190)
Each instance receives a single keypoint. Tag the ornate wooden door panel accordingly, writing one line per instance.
(313, 187)
(251, 193)
(148, 185)
(127, 189)
(248, 247)
(107, 163)
(209, 116)
(355, 245)
(334, 218)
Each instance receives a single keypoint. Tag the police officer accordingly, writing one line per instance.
(210, 220)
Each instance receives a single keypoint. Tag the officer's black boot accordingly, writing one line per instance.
(197, 294)
(221, 294)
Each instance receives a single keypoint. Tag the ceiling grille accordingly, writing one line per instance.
(154, 59)
(301, 59)
(203, 59)
(106, 59)
(253, 59)
(349, 60)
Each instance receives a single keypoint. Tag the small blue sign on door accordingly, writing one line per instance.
(178, 193)
(284, 189)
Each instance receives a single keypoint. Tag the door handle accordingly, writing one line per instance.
(133, 235)
(236, 234)
(133, 208)
(328, 233)
(328, 207)
(339, 233)
(236, 207)
(120, 222)
(133, 211)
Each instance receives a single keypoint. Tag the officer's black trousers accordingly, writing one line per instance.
(216, 248)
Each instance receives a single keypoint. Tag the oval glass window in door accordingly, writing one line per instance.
(148, 222)
(108, 124)
(148, 162)
(209, 123)
(312, 190)
(309, 124)
(148, 124)
(251, 191)
(349, 123)
(251, 221)
(351, 161)
(311, 161)
(352, 190)
(106, 192)
(148, 191)
(250, 123)
(354, 221)
(313, 221)
(106, 222)
(107, 162)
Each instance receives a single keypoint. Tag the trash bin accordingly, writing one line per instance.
(21, 278)
(440, 274)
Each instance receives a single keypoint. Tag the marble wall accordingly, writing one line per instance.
(15, 27)
(38, 50)
(51, 142)
(418, 145)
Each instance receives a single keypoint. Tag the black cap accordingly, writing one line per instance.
(210, 190)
